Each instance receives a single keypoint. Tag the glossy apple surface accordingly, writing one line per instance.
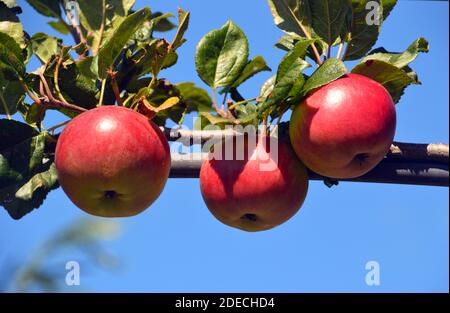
(112, 161)
(256, 190)
(344, 129)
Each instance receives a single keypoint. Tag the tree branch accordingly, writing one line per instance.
(406, 163)
(425, 173)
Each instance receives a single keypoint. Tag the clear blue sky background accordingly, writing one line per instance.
(178, 246)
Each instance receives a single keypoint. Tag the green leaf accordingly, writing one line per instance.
(11, 45)
(77, 87)
(253, 67)
(91, 14)
(222, 55)
(194, 98)
(45, 180)
(10, 3)
(291, 80)
(247, 114)
(45, 46)
(26, 175)
(267, 87)
(22, 198)
(21, 151)
(145, 34)
(400, 60)
(287, 43)
(328, 18)
(11, 59)
(112, 49)
(394, 79)
(167, 104)
(32, 114)
(49, 8)
(161, 22)
(292, 16)
(329, 71)
(215, 120)
(11, 94)
(59, 27)
(87, 67)
(362, 35)
(170, 60)
(299, 51)
(10, 25)
(183, 22)
(92, 17)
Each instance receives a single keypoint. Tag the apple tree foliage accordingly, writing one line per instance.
(118, 58)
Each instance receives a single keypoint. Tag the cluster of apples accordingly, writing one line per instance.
(114, 162)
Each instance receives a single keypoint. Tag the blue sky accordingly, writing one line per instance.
(178, 246)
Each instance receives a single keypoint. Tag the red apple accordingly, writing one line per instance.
(344, 129)
(112, 161)
(258, 191)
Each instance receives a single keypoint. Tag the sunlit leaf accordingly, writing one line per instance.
(222, 55)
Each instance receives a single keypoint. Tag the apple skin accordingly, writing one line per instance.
(241, 195)
(344, 129)
(112, 161)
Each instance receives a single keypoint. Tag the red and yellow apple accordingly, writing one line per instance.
(112, 161)
(261, 186)
(344, 129)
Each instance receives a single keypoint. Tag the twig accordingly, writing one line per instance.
(30, 94)
(5, 107)
(54, 103)
(115, 87)
(216, 107)
(341, 47)
(102, 93)
(280, 116)
(56, 79)
(58, 126)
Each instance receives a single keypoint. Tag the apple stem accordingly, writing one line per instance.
(264, 125)
(102, 93)
(341, 47)
(115, 87)
(275, 128)
(216, 107)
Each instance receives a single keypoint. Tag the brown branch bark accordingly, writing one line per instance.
(387, 172)
(399, 151)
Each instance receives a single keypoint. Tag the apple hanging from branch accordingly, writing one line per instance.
(344, 129)
(259, 187)
(112, 161)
